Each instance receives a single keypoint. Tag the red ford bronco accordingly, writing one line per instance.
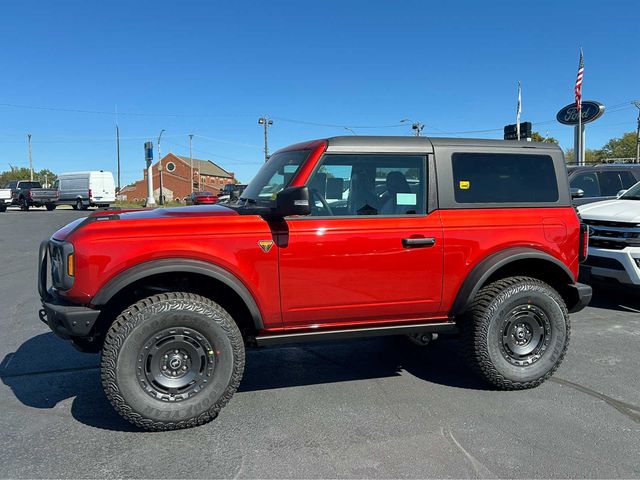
(345, 237)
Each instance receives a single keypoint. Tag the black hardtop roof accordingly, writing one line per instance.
(409, 143)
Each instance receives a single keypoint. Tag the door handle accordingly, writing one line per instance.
(418, 242)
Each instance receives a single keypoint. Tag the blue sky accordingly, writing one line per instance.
(212, 68)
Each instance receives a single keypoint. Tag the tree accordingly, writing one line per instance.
(591, 156)
(22, 173)
(624, 147)
(536, 137)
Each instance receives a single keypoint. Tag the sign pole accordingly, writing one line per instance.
(579, 134)
(148, 156)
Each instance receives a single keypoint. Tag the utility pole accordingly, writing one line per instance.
(417, 126)
(30, 159)
(160, 167)
(266, 122)
(637, 104)
(118, 153)
(191, 161)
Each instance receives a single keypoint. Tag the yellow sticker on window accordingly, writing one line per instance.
(465, 184)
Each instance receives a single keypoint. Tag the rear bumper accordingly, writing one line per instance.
(582, 294)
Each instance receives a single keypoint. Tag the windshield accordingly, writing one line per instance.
(633, 193)
(275, 175)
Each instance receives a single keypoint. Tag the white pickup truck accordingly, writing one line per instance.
(5, 199)
(614, 237)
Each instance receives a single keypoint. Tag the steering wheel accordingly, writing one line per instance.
(315, 195)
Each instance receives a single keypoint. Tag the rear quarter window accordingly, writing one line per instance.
(503, 178)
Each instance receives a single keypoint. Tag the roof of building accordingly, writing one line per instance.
(206, 167)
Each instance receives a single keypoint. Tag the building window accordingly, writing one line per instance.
(171, 167)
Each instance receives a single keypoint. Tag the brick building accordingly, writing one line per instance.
(176, 170)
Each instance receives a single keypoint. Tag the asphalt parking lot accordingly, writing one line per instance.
(362, 408)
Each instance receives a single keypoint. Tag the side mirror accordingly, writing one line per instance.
(620, 193)
(577, 192)
(293, 201)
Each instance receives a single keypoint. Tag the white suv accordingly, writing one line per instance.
(614, 237)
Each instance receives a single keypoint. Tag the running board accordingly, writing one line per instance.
(269, 340)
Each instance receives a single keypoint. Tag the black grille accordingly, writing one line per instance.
(603, 262)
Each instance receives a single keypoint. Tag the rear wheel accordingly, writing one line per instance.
(516, 332)
(172, 361)
(79, 205)
(50, 207)
(24, 205)
(3, 208)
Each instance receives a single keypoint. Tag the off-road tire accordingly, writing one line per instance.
(129, 336)
(483, 332)
(50, 207)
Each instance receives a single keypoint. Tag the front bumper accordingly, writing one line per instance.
(616, 264)
(63, 318)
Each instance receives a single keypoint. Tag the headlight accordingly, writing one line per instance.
(62, 264)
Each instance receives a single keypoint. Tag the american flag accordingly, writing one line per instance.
(578, 87)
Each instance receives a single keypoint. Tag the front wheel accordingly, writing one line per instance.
(172, 361)
(516, 332)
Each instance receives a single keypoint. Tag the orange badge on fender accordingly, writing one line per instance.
(265, 245)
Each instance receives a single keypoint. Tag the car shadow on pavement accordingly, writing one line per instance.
(46, 371)
(615, 296)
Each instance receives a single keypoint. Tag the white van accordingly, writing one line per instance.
(84, 189)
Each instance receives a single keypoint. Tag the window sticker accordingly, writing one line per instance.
(406, 199)
(465, 184)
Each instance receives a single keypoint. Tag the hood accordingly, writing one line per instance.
(177, 212)
(616, 210)
(191, 212)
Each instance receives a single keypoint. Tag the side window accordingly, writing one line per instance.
(628, 180)
(610, 183)
(346, 185)
(587, 182)
(503, 178)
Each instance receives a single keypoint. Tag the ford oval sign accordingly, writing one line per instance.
(590, 111)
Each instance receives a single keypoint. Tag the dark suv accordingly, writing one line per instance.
(601, 182)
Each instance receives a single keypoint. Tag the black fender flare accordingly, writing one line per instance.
(172, 265)
(491, 264)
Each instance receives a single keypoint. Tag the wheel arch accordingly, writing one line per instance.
(518, 261)
(178, 269)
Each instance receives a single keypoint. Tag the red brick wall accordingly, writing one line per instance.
(175, 184)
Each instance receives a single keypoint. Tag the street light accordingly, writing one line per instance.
(266, 122)
(637, 104)
(417, 126)
(160, 166)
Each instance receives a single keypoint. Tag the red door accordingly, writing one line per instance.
(344, 271)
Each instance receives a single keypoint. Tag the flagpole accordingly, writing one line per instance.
(518, 111)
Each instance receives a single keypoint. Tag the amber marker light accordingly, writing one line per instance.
(71, 265)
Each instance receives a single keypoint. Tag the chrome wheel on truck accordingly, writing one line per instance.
(172, 361)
